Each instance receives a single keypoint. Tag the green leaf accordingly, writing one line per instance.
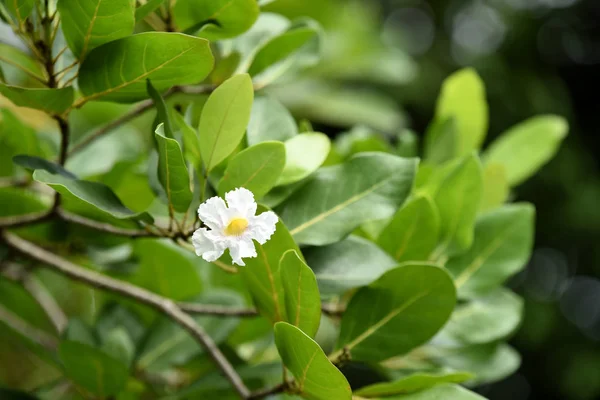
(302, 301)
(457, 201)
(282, 46)
(119, 345)
(162, 112)
(218, 18)
(441, 392)
(166, 269)
(52, 101)
(15, 138)
(502, 247)
(33, 163)
(15, 57)
(92, 369)
(262, 275)
(170, 345)
(224, 119)
(403, 309)
(117, 71)
(93, 193)
(495, 187)
(256, 168)
(172, 172)
(316, 377)
(191, 142)
(413, 232)
(270, 120)
(486, 319)
(360, 139)
(441, 139)
(526, 147)
(338, 199)
(412, 383)
(20, 9)
(348, 264)
(146, 9)
(18, 201)
(89, 24)
(304, 154)
(462, 97)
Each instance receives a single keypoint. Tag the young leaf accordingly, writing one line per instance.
(93, 193)
(256, 168)
(413, 232)
(526, 147)
(13, 56)
(117, 71)
(441, 139)
(302, 301)
(89, 24)
(403, 309)
(348, 264)
(412, 383)
(457, 201)
(463, 98)
(162, 112)
(52, 101)
(495, 187)
(486, 319)
(20, 9)
(191, 141)
(442, 392)
(92, 369)
(270, 120)
(262, 275)
(224, 119)
(502, 246)
(172, 172)
(340, 198)
(316, 377)
(304, 154)
(218, 19)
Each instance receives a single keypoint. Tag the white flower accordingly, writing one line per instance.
(232, 227)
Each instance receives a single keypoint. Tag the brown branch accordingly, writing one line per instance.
(24, 219)
(161, 304)
(217, 310)
(259, 394)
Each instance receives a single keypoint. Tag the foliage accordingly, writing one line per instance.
(387, 254)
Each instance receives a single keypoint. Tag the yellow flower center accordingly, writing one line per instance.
(236, 226)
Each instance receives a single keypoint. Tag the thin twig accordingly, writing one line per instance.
(259, 394)
(25, 219)
(101, 226)
(24, 328)
(161, 304)
(216, 310)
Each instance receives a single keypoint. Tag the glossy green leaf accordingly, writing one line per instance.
(52, 101)
(270, 120)
(256, 168)
(217, 18)
(412, 383)
(526, 147)
(170, 345)
(32, 163)
(224, 119)
(15, 57)
(93, 193)
(304, 154)
(360, 139)
(117, 71)
(92, 369)
(457, 201)
(441, 392)
(162, 111)
(463, 98)
(502, 246)
(441, 141)
(20, 9)
(413, 232)
(172, 171)
(316, 377)
(146, 9)
(486, 319)
(302, 301)
(403, 309)
(89, 24)
(262, 275)
(495, 187)
(347, 264)
(282, 46)
(339, 198)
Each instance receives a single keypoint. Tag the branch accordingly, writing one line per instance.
(216, 310)
(24, 328)
(259, 394)
(101, 226)
(161, 304)
(24, 219)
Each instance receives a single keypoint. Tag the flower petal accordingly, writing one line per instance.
(213, 212)
(241, 247)
(206, 246)
(241, 202)
(262, 226)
